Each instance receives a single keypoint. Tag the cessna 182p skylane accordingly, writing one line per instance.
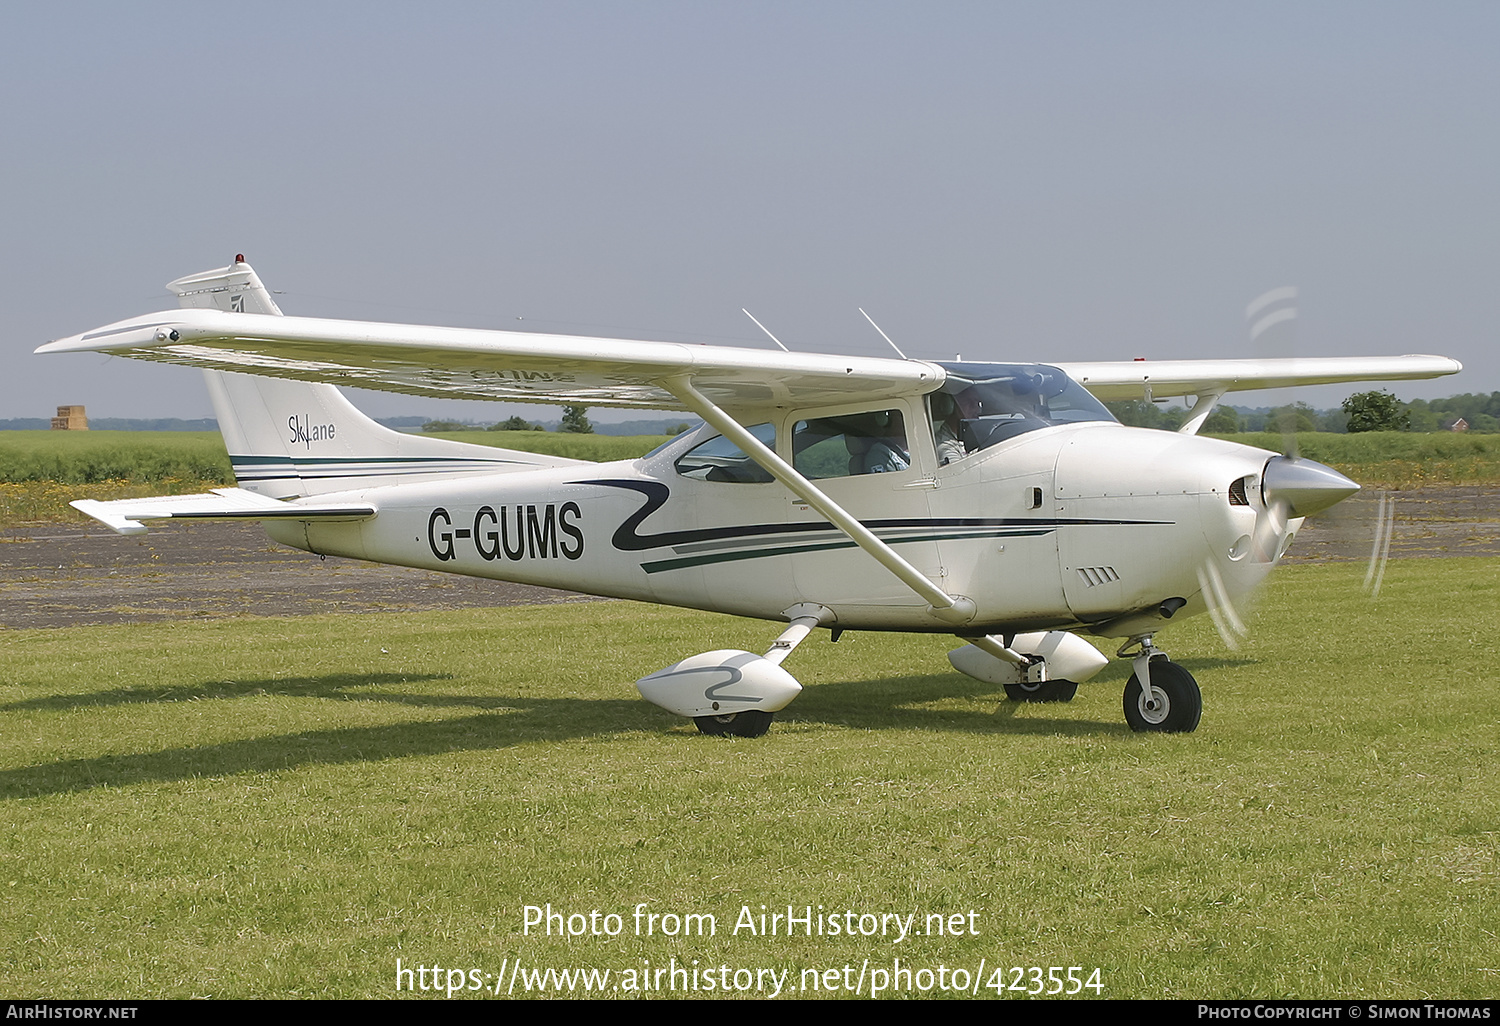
(997, 502)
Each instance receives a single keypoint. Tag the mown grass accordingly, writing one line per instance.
(285, 807)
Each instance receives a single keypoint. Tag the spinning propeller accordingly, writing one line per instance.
(1290, 487)
(1380, 549)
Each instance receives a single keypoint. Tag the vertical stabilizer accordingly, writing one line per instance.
(291, 438)
(233, 289)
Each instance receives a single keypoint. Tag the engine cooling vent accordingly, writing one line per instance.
(1096, 575)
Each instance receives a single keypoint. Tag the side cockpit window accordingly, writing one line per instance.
(851, 445)
(719, 459)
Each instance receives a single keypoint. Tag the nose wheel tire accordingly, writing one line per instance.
(1174, 706)
(745, 724)
(1045, 691)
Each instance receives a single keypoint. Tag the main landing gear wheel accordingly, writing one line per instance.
(1174, 706)
(745, 724)
(1043, 691)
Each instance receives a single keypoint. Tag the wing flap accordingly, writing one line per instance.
(125, 515)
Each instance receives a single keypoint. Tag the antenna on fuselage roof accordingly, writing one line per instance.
(882, 334)
(762, 327)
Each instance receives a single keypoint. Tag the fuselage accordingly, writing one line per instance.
(1090, 525)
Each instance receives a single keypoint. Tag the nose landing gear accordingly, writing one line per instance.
(1160, 695)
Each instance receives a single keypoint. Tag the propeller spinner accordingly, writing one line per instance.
(1303, 486)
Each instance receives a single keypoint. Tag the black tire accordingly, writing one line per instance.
(1046, 691)
(1181, 703)
(746, 724)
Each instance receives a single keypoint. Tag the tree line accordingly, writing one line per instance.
(575, 421)
(1377, 410)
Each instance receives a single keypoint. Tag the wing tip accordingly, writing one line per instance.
(114, 521)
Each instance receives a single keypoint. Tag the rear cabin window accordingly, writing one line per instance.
(719, 459)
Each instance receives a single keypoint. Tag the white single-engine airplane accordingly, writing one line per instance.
(999, 502)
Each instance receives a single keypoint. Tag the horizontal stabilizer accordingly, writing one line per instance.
(125, 515)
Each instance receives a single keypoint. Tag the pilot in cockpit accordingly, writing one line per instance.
(948, 415)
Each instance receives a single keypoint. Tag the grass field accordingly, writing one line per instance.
(286, 807)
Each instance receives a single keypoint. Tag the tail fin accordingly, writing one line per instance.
(292, 438)
(233, 289)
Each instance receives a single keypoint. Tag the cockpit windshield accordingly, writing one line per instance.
(981, 404)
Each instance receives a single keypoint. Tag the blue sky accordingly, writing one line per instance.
(1049, 181)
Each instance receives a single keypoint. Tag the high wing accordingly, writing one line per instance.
(467, 363)
(230, 323)
(463, 363)
(1166, 378)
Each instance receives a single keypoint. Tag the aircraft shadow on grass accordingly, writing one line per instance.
(504, 720)
(333, 685)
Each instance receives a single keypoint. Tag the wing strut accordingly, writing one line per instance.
(1208, 401)
(954, 609)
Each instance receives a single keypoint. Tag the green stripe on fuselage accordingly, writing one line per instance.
(657, 566)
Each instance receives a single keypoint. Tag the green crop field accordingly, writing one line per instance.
(94, 457)
(280, 808)
(599, 448)
(42, 471)
(1391, 459)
